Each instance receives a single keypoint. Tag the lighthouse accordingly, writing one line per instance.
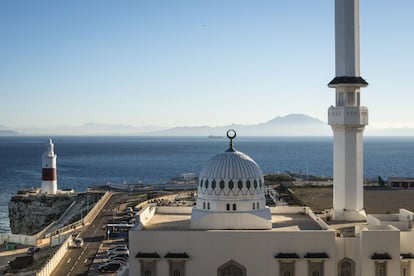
(49, 175)
(347, 118)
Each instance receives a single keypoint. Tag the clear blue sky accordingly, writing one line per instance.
(210, 62)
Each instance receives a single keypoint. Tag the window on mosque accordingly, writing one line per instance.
(208, 205)
(228, 207)
(231, 184)
(346, 267)
(213, 184)
(257, 205)
(240, 184)
(204, 205)
(350, 98)
(315, 268)
(177, 268)
(260, 183)
(231, 268)
(380, 269)
(340, 101)
(201, 184)
(255, 184)
(287, 268)
(206, 184)
(234, 206)
(148, 268)
(222, 184)
(405, 268)
(253, 205)
(248, 185)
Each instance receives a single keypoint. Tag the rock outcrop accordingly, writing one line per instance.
(29, 214)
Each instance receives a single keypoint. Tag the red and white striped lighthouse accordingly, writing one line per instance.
(49, 175)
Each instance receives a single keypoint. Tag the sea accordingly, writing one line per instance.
(86, 161)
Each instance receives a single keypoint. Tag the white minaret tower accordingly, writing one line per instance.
(347, 118)
(49, 175)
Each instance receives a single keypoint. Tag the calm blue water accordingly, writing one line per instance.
(83, 161)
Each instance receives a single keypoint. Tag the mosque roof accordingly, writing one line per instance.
(231, 164)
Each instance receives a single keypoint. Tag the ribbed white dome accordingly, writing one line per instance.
(231, 175)
(231, 165)
(231, 193)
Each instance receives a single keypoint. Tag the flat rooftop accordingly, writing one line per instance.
(182, 222)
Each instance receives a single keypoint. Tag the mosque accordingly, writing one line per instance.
(231, 232)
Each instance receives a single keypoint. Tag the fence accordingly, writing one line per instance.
(56, 258)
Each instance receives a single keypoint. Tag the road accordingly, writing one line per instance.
(78, 260)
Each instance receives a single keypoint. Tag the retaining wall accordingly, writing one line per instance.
(52, 263)
(17, 238)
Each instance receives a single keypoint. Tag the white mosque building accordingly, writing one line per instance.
(230, 231)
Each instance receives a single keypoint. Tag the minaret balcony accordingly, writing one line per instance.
(348, 115)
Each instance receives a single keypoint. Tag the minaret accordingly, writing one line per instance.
(347, 118)
(49, 176)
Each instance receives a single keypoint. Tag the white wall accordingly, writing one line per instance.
(210, 249)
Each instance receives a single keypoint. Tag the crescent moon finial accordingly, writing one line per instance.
(231, 134)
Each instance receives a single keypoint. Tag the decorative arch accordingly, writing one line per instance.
(231, 268)
(346, 267)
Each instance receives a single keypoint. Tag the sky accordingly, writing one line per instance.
(196, 62)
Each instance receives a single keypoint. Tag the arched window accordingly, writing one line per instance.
(206, 184)
(234, 207)
(255, 184)
(213, 184)
(380, 269)
(231, 268)
(201, 183)
(248, 184)
(253, 205)
(208, 205)
(257, 205)
(228, 207)
(204, 205)
(346, 267)
(231, 184)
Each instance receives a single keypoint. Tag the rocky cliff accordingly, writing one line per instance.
(29, 214)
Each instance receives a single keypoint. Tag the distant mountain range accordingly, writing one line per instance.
(289, 125)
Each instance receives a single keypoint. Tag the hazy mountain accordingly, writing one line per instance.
(290, 125)
(90, 129)
(5, 132)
